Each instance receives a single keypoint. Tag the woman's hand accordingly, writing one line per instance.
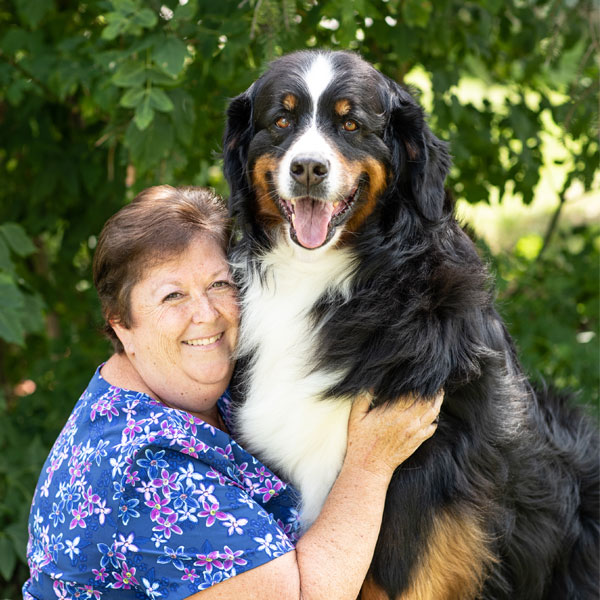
(381, 438)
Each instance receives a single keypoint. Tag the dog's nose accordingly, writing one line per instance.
(309, 170)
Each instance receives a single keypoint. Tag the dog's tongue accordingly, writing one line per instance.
(311, 221)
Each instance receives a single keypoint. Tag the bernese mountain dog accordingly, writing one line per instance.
(356, 276)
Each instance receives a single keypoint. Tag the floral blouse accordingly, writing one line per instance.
(138, 500)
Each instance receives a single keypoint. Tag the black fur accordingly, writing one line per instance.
(420, 318)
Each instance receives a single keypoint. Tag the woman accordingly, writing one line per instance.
(145, 493)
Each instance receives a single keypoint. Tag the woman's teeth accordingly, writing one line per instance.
(204, 341)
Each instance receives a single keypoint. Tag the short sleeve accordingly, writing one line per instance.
(190, 522)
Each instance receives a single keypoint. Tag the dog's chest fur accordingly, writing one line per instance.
(285, 419)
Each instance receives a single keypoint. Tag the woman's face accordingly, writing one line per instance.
(184, 327)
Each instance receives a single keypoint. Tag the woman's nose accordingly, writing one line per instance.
(203, 309)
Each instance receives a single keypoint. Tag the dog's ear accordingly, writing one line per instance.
(421, 160)
(238, 133)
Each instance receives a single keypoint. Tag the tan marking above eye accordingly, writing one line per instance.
(350, 125)
(289, 102)
(342, 107)
(283, 122)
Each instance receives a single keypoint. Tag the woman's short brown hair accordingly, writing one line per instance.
(157, 225)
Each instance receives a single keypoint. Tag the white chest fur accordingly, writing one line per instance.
(285, 419)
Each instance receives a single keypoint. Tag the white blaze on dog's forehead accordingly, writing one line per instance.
(317, 77)
(311, 141)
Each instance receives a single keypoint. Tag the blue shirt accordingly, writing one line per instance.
(138, 500)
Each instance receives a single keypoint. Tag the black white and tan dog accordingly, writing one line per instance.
(356, 276)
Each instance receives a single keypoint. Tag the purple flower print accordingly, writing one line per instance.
(90, 499)
(158, 506)
(190, 422)
(167, 480)
(211, 513)
(79, 515)
(269, 490)
(190, 575)
(193, 447)
(207, 561)
(100, 575)
(168, 525)
(132, 429)
(232, 558)
(126, 578)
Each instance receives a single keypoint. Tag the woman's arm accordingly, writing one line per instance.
(332, 558)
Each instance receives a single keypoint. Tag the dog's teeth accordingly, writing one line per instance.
(293, 202)
(336, 204)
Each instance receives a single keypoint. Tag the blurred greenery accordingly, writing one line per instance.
(99, 99)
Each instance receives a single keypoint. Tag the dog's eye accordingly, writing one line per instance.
(350, 125)
(283, 123)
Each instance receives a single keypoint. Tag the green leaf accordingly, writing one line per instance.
(33, 11)
(32, 315)
(183, 116)
(170, 56)
(17, 239)
(110, 32)
(160, 101)
(416, 13)
(130, 74)
(11, 329)
(11, 296)
(8, 558)
(17, 532)
(185, 12)
(150, 145)
(132, 97)
(145, 18)
(5, 262)
(143, 113)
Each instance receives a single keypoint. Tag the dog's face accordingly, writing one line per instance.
(316, 142)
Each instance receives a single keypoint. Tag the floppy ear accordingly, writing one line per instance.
(421, 159)
(238, 133)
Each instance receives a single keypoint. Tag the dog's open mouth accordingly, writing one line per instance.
(313, 221)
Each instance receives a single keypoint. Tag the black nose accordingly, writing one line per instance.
(309, 170)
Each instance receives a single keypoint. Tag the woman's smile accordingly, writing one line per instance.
(205, 342)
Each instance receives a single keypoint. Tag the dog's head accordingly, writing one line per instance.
(321, 140)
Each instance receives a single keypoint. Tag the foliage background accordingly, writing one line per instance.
(100, 99)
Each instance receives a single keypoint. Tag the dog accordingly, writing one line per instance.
(356, 276)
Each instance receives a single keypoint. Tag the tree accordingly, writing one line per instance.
(100, 99)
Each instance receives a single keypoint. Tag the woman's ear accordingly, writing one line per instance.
(422, 160)
(124, 334)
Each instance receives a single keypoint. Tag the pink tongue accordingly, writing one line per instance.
(311, 221)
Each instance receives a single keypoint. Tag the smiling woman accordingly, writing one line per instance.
(145, 493)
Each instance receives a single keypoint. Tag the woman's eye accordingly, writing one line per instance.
(222, 284)
(172, 296)
(350, 125)
(283, 123)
